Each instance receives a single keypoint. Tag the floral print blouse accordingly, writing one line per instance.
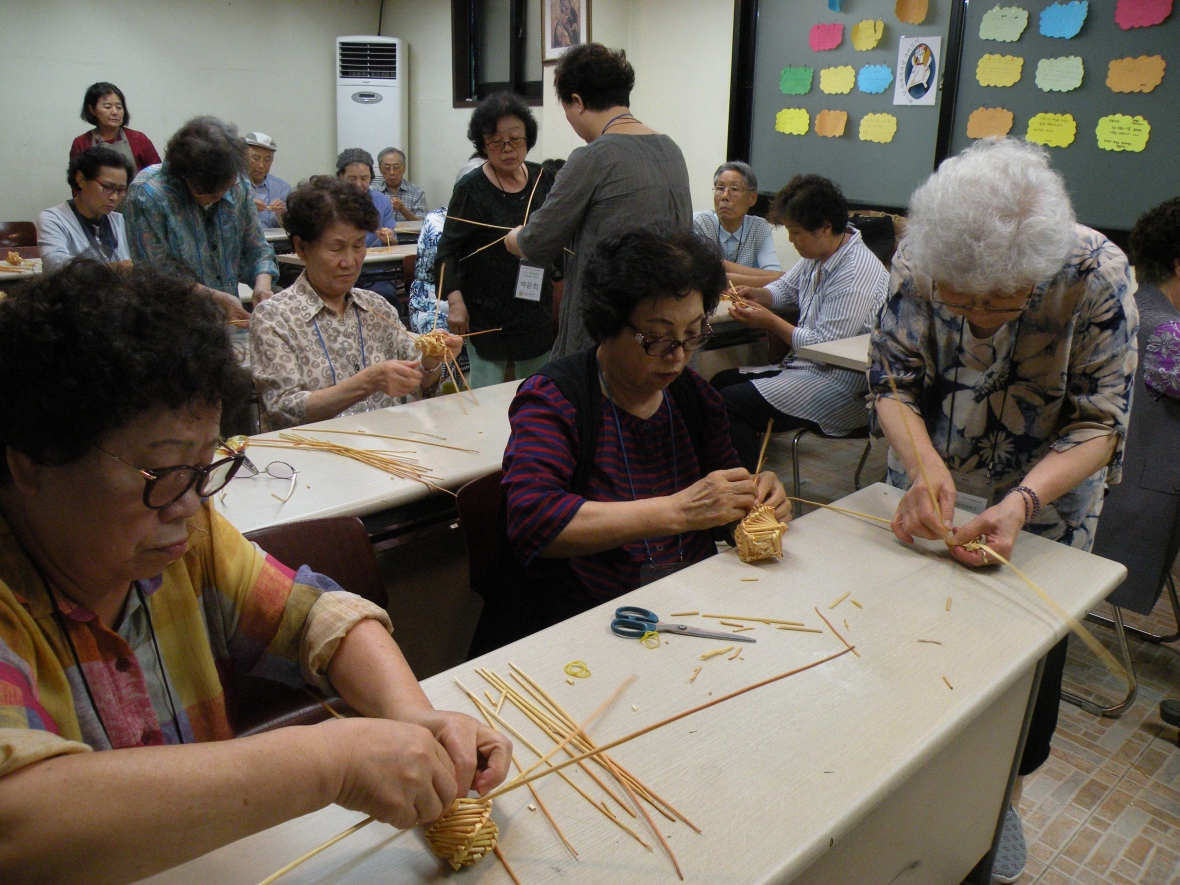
(423, 301)
(1059, 376)
(298, 345)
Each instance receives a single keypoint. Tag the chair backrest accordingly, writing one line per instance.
(481, 514)
(336, 546)
(18, 233)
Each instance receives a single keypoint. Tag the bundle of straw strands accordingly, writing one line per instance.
(393, 463)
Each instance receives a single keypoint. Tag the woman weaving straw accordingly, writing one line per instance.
(619, 459)
(323, 348)
(125, 598)
(1001, 369)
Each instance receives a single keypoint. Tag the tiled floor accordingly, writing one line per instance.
(1105, 808)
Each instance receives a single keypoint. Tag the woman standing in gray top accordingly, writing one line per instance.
(628, 175)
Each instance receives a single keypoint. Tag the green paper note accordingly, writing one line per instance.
(1060, 74)
(796, 81)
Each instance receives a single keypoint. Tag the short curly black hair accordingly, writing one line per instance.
(94, 158)
(809, 201)
(87, 349)
(1154, 245)
(628, 268)
(322, 200)
(207, 153)
(97, 91)
(493, 109)
(601, 77)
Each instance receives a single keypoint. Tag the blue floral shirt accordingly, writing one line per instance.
(1059, 376)
(423, 301)
(218, 246)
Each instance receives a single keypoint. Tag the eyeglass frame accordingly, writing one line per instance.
(155, 474)
(505, 145)
(647, 343)
(972, 308)
(111, 189)
(255, 473)
(722, 189)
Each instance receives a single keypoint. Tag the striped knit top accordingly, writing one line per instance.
(539, 464)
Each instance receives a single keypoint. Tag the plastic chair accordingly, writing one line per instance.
(796, 435)
(18, 233)
(339, 548)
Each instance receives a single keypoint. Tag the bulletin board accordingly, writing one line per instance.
(869, 172)
(1109, 188)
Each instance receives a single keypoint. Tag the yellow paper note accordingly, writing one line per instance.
(837, 81)
(867, 34)
(1052, 130)
(999, 70)
(831, 123)
(986, 122)
(792, 121)
(1060, 74)
(1140, 74)
(878, 127)
(912, 12)
(1118, 132)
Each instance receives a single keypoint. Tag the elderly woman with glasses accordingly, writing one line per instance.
(487, 289)
(620, 461)
(125, 599)
(87, 224)
(744, 241)
(1009, 335)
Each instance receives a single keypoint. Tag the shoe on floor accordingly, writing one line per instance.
(1012, 852)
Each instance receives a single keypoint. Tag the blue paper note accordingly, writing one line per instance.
(835, 5)
(874, 79)
(1063, 19)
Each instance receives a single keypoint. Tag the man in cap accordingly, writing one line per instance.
(269, 191)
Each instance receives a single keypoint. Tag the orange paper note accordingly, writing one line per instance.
(987, 122)
(912, 12)
(831, 123)
(1140, 74)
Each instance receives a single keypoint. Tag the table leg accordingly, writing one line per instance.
(982, 874)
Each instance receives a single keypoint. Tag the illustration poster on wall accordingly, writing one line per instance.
(919, 67)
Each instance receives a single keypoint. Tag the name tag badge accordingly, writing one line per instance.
(529, 281)
(976, 493)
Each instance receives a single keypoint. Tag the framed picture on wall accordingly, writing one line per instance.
(565, 23)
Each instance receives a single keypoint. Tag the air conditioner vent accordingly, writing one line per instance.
(366, 61)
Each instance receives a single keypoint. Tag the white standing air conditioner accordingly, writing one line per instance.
(372, 102)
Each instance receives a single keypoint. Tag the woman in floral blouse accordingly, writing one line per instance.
(323, 348)
(1010, 335)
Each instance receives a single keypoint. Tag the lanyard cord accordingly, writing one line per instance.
(159, 661)
(360, 337)
(627, 465)
(106, 248)
(1003, 403)
(611, 122)
(742, 235)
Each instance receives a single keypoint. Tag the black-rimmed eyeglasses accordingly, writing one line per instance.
(167, 485)
(665, 346)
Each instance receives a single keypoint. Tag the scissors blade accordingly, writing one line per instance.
(685, 630)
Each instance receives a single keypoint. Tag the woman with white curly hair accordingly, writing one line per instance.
(1010, 336)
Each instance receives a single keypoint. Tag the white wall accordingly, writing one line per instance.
(263, 64)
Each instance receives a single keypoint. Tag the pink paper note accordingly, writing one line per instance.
(825, 37)
(1141, 13)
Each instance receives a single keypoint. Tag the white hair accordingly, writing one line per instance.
(995, 218)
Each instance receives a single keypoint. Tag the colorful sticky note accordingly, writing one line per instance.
(795, 81)
(999, 70)
(1052, 130)
(912, 12)
(1140, 74)
(792, 121)
(1003, 23)
(878, 127)
(831, 123)
(867, 34)
(1060, 74)
(1118, 132)
(1141, 13)
(874, 79)
(837, 81)
(835, 5)
(986, 122)
(824, 37)
(1063, 19)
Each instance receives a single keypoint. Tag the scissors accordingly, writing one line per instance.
(633, 622)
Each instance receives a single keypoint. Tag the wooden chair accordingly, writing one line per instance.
(337, 547)
(18, 233)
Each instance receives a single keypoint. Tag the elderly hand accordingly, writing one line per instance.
(398, 772)
(915, 516)
(261, 293)
(997, 527)
(758, 296)
(231, 305)
(278, 207)
(387, 235)
(480, 754)
(393, 377)
(771, 491)
(722, 497)
(454, 344)
(259, 205)
(458, 320)
(752, 314)
(398, 205)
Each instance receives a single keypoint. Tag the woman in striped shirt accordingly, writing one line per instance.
(620, 460)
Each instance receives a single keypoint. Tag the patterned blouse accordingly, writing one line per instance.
(423, 301)
(1059, 376)
(298, 345)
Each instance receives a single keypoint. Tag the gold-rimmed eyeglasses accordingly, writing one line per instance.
(665, 346)
(498, 146)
